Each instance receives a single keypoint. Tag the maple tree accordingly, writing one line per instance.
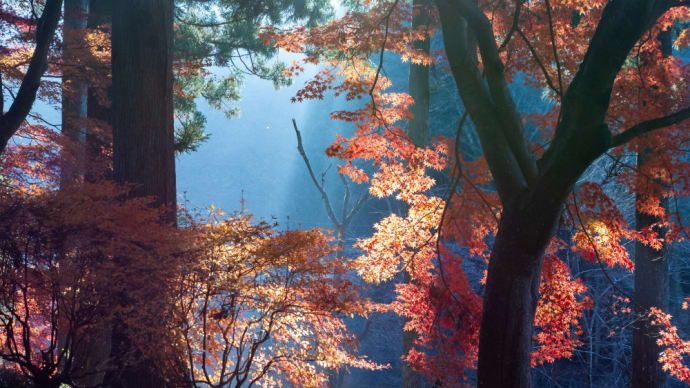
(258, 306)
(606, 76)
(77, 267)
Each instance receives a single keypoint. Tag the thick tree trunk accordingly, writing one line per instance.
(512, 292)
(74, 89)
(95, 354)
(99, 131)
(142, 98)
(142, 119)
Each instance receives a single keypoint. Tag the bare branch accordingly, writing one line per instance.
(649, 126)
(324, 195)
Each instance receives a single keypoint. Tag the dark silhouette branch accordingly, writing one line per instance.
(479, 101)
(26, 95)
(649, 126)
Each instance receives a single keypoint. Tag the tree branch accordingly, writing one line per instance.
(494, 70)
(495, 126)
(649, 126)
(324, 195)
(21, 106)
(582, 134)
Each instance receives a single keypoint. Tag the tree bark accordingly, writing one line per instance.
(142, 109)
(74, 90)
(651, 290)
(99, 131)
(142, 119)
(650, 278)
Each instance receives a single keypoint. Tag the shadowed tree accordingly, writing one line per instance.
(143, 139)
(11, 120)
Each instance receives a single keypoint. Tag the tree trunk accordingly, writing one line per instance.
(142, 119)
(11, 120)
(651, 282)
(418, 131)
(74, 90)
(142, 109)
(99, 131)
(512, 292)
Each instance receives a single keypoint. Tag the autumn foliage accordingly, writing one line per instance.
(241, 302)
(544, 42)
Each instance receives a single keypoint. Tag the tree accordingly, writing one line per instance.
(651, 263)
(74, 87)
(46, 25)
(229, 40)
(143, 140)
(256, 306)
(418, 131)
(582, 56)
(60, 281)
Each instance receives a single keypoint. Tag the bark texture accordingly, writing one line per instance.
(74, 89)
(142, 120)
(650, 282)
(651, 290)
(142, 108)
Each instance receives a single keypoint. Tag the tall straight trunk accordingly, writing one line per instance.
(651, 290)
(99, 131)
(74, 89)
(650, 281)
(94, 353)
(142, 120)
(142, 107)
(418, 131)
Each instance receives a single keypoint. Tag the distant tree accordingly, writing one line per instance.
(74, 88)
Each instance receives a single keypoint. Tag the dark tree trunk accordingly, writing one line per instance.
(142, 109)
(142, 120)
(651, 285)
(99, 131)
(74, 89)
(512, 292)
(651, 280)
